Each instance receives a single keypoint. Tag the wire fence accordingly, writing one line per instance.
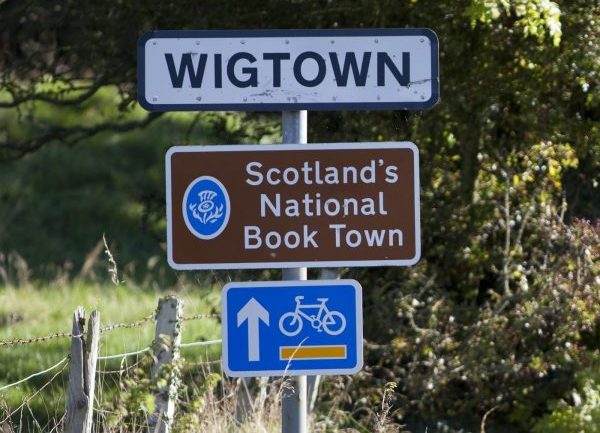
(38, 391)
(31, 340)
(31, 376)
(64, 362)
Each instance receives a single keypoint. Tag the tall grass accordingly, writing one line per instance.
(28, 311)
(207, 400)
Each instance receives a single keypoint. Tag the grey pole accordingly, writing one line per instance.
(293, 404)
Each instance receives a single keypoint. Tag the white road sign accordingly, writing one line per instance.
(358, 69)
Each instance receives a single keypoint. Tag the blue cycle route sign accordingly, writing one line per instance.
(292, 328)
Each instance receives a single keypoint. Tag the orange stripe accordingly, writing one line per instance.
(313, 352)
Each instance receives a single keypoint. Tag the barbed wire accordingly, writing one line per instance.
(56, 335)
(103, 330)
(25, 341)
(127, 325)
(99, 371)
(108, 357)
(201, 316)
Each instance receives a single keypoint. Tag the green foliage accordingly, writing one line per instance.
(503, 309)
(135, 400)
(55, 205)
(38, 311)
(533, 17)
(195, 410)
(516, 340)
(583, 416)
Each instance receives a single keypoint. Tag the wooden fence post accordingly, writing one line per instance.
(82, 373)
(166, 350)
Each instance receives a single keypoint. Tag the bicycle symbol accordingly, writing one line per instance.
(332, 322)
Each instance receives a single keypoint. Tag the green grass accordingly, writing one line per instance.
(31, 312)
(207, 402)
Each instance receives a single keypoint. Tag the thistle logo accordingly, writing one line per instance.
(206, 207)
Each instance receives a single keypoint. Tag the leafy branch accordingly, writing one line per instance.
(69, 135)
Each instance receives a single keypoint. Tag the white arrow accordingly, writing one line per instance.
(253, 312)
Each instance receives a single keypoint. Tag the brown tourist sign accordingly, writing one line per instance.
(283, 206)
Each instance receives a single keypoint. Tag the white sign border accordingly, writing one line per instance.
(288, 33)
(284, 147)
(290, 373)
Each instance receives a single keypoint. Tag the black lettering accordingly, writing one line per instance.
(341, 74)
(276, 58)
(177, 76)
(252, 80)
(320, 65)
(218, 71)
(384, 60)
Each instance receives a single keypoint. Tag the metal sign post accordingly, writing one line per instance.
(285, 206)
(291, 329)
(294, 402)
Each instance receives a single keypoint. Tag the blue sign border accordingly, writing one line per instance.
(326, 106)
(290, 372)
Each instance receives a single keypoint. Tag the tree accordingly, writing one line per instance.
(509, 158)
